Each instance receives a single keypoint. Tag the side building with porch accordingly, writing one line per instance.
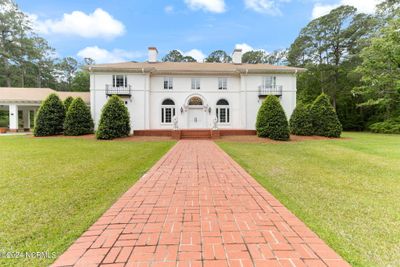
(21, 104)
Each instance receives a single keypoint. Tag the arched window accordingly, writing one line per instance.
(195, 101)
(167, 110)
(223, 111)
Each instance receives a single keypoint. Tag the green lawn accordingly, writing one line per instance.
(53, 189)
(347, 191)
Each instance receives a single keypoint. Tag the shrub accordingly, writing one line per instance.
(67, 102)
(301, 121)
(78, 120)
(114, 120)
(391, 126)
(271, 120)
(324, 119)
(50, 117)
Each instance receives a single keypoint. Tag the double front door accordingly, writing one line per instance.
(196, 118)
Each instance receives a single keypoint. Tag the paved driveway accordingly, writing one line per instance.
(197, 207)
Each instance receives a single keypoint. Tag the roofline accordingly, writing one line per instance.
(236, 71)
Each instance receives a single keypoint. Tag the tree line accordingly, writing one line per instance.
(27, 60)
(355, 59)
(352, 57)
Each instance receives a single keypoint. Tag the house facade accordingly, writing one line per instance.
(167, 95)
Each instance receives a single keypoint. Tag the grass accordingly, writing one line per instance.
(347, 191)
(53, 189)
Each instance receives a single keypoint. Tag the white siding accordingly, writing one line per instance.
(148, 93)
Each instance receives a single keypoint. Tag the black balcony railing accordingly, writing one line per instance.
(270, 90)
(121, 91)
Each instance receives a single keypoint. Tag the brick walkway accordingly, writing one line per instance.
(197, 207)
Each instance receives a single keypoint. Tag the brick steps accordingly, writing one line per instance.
(194, 133)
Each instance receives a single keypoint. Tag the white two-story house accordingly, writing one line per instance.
(196, 94)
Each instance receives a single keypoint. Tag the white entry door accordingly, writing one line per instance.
(196, 119)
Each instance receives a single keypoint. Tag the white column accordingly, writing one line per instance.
(26, 118)
(13, 115)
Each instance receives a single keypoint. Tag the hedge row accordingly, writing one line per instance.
(391, 126)
(55, 117)
(319, 118)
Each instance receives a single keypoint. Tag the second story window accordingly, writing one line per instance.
(195, 83)
(120, 81)
(168, 83)
(222, 83)
(269, 82)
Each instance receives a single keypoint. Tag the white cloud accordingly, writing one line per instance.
(215, 6)
(99, 24)
(246, 48)
(101, 55)
(196, 54)
(364, 6)
(269, 7)
(169, 9)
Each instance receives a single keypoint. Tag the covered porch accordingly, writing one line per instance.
(20, 116)
(18, 106)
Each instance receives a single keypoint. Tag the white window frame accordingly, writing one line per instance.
(222, 83)
(195, 84)
(168, 83)
(165, 109)
(269, 81)
(118, 84)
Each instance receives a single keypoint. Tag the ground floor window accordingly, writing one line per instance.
(223, 111)
(167, 111)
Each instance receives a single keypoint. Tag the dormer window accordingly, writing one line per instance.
(120, 81)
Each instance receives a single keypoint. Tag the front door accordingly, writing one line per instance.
(196, 119)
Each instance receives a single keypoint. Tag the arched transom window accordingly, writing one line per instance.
(195, 101)
(167, 110)
(223, 111)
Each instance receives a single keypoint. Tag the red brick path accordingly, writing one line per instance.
(197, 207)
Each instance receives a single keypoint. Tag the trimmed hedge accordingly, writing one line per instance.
(68, 102)
(390, 126)
(50, 117)
(324, 118)
(114, 120)
(301, 121)
(271, 120)
(78, 120)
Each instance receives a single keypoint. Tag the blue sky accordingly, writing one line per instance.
(112, 31)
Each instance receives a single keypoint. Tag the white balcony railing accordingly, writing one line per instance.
(122, 90)
(270, 90)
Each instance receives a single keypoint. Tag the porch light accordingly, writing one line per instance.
(209, 110)
(181, 110)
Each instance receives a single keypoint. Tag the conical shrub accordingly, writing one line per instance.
(301, 121)
(67, 102)
(324, 118)
(271, 120)
(78, 120)
(114, 120)
(50, 117)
